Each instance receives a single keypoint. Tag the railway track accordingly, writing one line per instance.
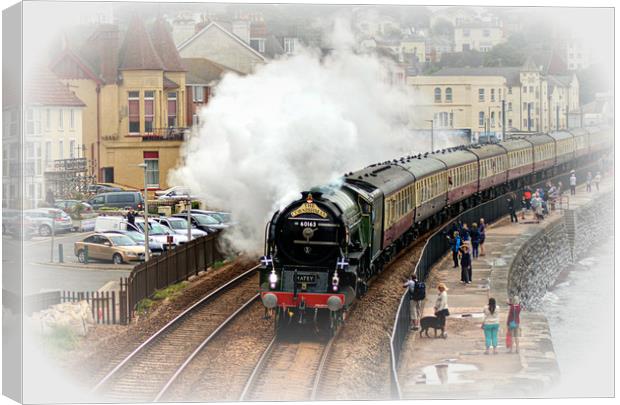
(299, 364)
(145, 373)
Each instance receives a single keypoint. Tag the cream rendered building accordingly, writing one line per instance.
(470, 100)
(477, 36)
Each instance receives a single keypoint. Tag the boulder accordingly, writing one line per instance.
(76, 316)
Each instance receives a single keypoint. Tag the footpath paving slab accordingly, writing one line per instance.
(456, 367)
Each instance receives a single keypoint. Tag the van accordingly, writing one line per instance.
(113, 223)
(118, 199)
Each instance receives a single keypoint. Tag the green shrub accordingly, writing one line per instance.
(172, 291)
(195, 205)
(144, 305)
(218, 264)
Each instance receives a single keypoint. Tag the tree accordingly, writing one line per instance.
(513, 52)
(443, 27)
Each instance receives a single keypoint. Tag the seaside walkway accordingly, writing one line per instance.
(456, 367)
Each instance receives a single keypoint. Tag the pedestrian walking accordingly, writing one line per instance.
(475, 240)
(465, 265)
(465, 236)
(597, 180)
(513, 324)
(589, 182)
(131, 216)
(527, 201)
(441, 305)
(483, 235)
(455, 245)
(553, 195)
(490, 325)
(417, 294)
(572, 181)
(537, 207)
(510, 201)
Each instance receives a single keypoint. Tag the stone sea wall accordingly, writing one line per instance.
(563, 242)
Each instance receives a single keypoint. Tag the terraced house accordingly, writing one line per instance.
(469, 100)
(133, 85)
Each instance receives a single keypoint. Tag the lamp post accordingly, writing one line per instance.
(432, 135)
(146, 216)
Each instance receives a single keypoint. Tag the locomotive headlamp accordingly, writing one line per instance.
(335, 281)
(273, 279)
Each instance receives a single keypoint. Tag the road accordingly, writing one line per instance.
(41, 275)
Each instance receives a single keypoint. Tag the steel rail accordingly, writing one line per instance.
(257, 368)
(323, 361)
(202, 345)
(165, 328)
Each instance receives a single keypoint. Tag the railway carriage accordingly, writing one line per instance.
(462, 178)
(520, 157)
(544, 153)
(431, 189)
(492, 168)
(564, 149)
(581, 142)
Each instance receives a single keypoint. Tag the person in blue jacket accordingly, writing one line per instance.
(455, 245)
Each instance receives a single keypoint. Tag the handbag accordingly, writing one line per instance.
(513, 324)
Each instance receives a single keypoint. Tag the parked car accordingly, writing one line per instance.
(220, 216)
(204, 222)
(101, 188)
(159, 232)
(155, 247)
(109, 246)
(179, 226)
(12, 224)
(175, 193)
(48, 220)
(119, 199)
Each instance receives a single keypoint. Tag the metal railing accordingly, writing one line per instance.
(172, 267)
(165, 134)
(437, 245)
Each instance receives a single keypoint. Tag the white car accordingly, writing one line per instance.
(179, 226)
(160, 233)
(174, 193)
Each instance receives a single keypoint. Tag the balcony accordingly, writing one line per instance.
(165, 134)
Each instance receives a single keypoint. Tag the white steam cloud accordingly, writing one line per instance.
(295, 123)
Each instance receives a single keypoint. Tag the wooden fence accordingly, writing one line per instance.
(172, 267)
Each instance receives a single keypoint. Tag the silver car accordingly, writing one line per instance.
(160, 233)
(179, 226)
(48, 220)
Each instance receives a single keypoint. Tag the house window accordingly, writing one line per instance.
(451, 120)
(492, 94)
(289, 45)
(510, 90)
(510, 106)
(480, 94)
(492, 118)
(499, 93)
(524, 106)
(199, 93)
(486, 33)
(48, 153)
(61, 119)
(510, 123)
(61, 150)
(134, 112)
(531, 89)
(437, 95)
(466, 32)
(72, 149)
(172, 109)
(524, 122)
(29, 121)
(48, 119)
(149, 111)
(481, 119)
(72, 118)
(449, 95)
(152, 169)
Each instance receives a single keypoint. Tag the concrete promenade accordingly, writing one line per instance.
(457, 367)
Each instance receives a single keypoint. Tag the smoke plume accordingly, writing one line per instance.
(297, 122)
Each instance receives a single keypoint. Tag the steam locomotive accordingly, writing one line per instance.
(323, 250)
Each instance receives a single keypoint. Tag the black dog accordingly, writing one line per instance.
(431, 322)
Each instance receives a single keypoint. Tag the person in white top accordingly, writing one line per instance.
(572, 181)
(597, 180)
(491, 325)
(441, 305)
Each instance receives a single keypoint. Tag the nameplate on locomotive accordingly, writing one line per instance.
(309, 208)
(305, 278)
